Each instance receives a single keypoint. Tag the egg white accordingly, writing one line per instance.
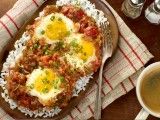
(74, 58)
(43, 98)
(71, 28)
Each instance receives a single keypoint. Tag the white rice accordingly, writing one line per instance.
(14, 55)
(88, 7)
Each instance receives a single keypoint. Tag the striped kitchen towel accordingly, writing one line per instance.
(120, 73)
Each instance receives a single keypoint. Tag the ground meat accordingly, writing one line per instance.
(29, 102)
(91, 31)
(18, 77)
(19, 93)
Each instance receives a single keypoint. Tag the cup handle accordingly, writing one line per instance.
(142, 115)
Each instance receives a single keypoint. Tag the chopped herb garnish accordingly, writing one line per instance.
(85, 54)
(56, 64)
(45, 49)
(59, 45)
(49, 26)
(31, 86)
(85, 60)
(52, 18)
(55, 86)
(46, 46)
(61, 78)
(42, 32)
(71, 53)
(79, 49)
(68, 33)
(59, 19)
(46, 72)
(45, 90)
(42, 67)
(45, 81)
(35, 46)
(47, 52)
(71, 70)
(74, 43)
(56, 82)
(77, 3)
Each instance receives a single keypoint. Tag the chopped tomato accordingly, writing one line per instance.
(45, 60)
(91, 31)
(24, 102)
(84, 22)
(65, 9)
(83, 26)
(79, 14)
(95, 65)
(68, 10)
(55, 56)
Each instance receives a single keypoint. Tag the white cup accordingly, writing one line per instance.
(145, 111)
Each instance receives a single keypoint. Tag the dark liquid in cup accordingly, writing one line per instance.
(150, 91)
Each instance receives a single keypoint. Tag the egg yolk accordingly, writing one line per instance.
(56, 29)
(87, 50)
(46, 81)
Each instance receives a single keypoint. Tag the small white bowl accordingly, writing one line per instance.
(145, 72)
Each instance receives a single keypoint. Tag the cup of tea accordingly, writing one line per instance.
(148, 91)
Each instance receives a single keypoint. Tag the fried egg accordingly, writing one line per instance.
(54, 27)
(45, 85)
(82, 50)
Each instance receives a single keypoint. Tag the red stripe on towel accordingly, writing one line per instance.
(91, 110)
(119, 60)
(103, 92)
(97, 85)
(11, 19)
(35, 3)
(127, 58)
(132, 49)
(105, 79)
(71, 116)
(131, 82)
(124, 88)
(27, 7)
(9, 32)
(78, 109)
